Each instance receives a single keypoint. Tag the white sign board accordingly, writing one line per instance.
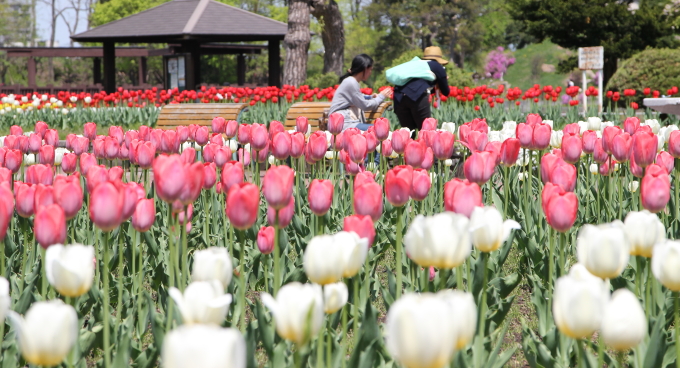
(591, 58)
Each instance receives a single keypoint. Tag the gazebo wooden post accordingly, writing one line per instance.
(31, 71)
(141, 70)
(109, 66)
(193, 64)
(96, 70)
(274, 62)
(240, 69)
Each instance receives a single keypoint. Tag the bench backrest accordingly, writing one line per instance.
(317, 113)
(173, 115)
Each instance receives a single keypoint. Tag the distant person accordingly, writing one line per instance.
(412, 100)
(348, 99)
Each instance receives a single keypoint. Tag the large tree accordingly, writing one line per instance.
(297, 43)
(328, 14)
(621, 29)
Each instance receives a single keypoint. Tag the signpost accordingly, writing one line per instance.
(591, 58)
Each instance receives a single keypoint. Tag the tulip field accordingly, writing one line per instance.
(246, 245)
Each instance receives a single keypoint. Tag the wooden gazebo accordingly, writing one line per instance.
(194, 25)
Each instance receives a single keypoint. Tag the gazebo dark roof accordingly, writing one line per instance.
(190, 23)
(185, 20)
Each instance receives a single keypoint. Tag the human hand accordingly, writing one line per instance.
(387, 92)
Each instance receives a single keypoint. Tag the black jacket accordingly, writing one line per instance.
(415, 88)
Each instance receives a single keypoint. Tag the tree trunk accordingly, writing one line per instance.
(333, 35)
(610, 66)
(296, 43)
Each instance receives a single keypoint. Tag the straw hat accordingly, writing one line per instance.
(434, 53)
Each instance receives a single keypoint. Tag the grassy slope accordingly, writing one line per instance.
(519, 74)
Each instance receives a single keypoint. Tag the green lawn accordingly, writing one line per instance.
(527, 69)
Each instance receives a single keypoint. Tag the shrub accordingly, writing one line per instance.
(457, 77)
(322, 80)
(658, 69)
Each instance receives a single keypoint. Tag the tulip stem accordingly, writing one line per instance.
(344, 335)
(676, 185)
(43, 274)
(443, 273)
(319, 344)
(140, 285)
(24, 271)
(119, 308)
(275, 251)
(105, 276)
(459, 277)
(482, 304)
(400, 212)
(329, 345)
(551, 266)
(506, 194)
(677, 327)
(185, 261)
(580, 354)
(242, 279)
(355, 318)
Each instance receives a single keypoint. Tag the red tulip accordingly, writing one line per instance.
(144, 216)
(25, 197)
(655, 188)
(232, 173)
(244, 134)
(414, 153)
(87, 160)
(68, 195)
(564, 175)
(285, 214)
(16, 130)
(281, 145)
(462, 196)
(218, 125)
(666, 160)
(320, 196)
(34, 143)
(275, 127)
(265, 239)
(382, 128)
(49, 226)
(368, 200)
(169, 177)
(631, 125)
(398, 183)
(336, 122)
(421, 184)
(509, 151)
(259, 138)
(429, 124)
(644, 148)
(243, 202)
(90, 131)
(442, 144)
(13, 159)
(317, 145)
(301, 124)
(572, 146)
(277, 186)
(106, 206)
(479, 167)
(52, 137)
(222, 155)
(386, 148)
(39, 174)
(400, 138)
(562, 208)
(202, 135)
(361, 225)
(117, 133)
(297, 144)
(209, 175)
(40, 128)
(674, 144)
(621, 147)
(477, 141)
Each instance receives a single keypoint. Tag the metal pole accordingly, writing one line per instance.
(600, 90)
(585, 99)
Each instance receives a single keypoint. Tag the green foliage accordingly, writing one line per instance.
(528, 67)
(457, 77)
(105, 12)
(322, 80)
(654, 68)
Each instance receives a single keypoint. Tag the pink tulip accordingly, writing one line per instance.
(382, 128)
(262, 155)
(39, 174)
(533, 134)
(188, 156)
(22, 144)
(193, 183)
(301, 124)
(277, 186)
(361, 225)
(259, 138)
(244, 157)
(80, 145)
(386, 148)
(34, 143)
(46, 155)
(368, 200)
(631, 125)
(548, 163)
(40, 128)
(202, 135)
(477, 141)
(297, 144)
(421, 184)
(25, 199)
(480, 166)
(320, 196)
(169, 177)
(414, 153)
(621, 147)
(608, 135)
(400, 138)
(49, 226)
(572, 129)
(398, 182)
(13, 159)
(218, 125)
(144, 133)
(356, 148)
(144, 216)
(462, 197)
(117, 133)
(275, 127)
(243, 202)
(231, 128)
(281, 145)
(562, 208)
(232, 173)
(285, 215)
(589, 140)
(6, 176)
(509, 151)
(265, 239)
(169, 142)
(495, 148)
(130, 136)
(371, 140)
(90, 131)
(429, 124)
(130, 198)
(68, 195)
(674, 144)
(115, 173)
(16, 130)
(636, 169)
(666, 160)
(222, 155)
(572, 146)
(317, 145)
(363, 178)
(442, 144)
(209, 175)
(599, 154)
(644, 148)
(655, 188)
(564, 175)
(336, 122)
(87, 160)
(106, 206)
(244, 134)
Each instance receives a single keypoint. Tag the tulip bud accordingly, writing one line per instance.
(488, 230)
(69, 268)
(285, 215)
(462, 196)
(243, 201)
(265, 239)
(398, 183)
(106, 206)
(368, 200)
(421, 183)
(277, 186)
(203, 346)
(334, 297)
(203, 302)
(655, 188)
(578, 302)
(603, 249)
(441, 241)
(361, 225)
(144, 216)
(52, 318)
(232, 173)
(320, 196)
(298, 311)
(213, 263)
(68, 194)
(50, 226)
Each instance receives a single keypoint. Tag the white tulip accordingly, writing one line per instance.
(213, 263)
(594, 123)
(329, 155)
(47, 333)
(594, 169)
(88, 99)
(494, 136)
(298, 311)
(5, 300)
(203, 302)
(643, 230)
(233, 145)
(556, 138)
(441, 241)
(448, 162)
(520, 176)
(660, 143)
(59, 155)
(667, 131)
(70, 269)
(323, 259)
(204, 346)
(334, 297)
(606, 124)
(624, 324)
(603, 249)
(652, 123)
(633, 186)
(583, 125)
(666, 264)
(507, 133)
(24, 99)
(548, 122)
(464, 311)
(355, 250)
(578, 302)
(419, 331)
(488, 230)
(449, 127)
(271, 159)
(510, 125)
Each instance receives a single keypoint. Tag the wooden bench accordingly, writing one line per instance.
(173, 115)
(317, 113)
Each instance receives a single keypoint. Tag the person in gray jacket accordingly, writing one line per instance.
(348, 99)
